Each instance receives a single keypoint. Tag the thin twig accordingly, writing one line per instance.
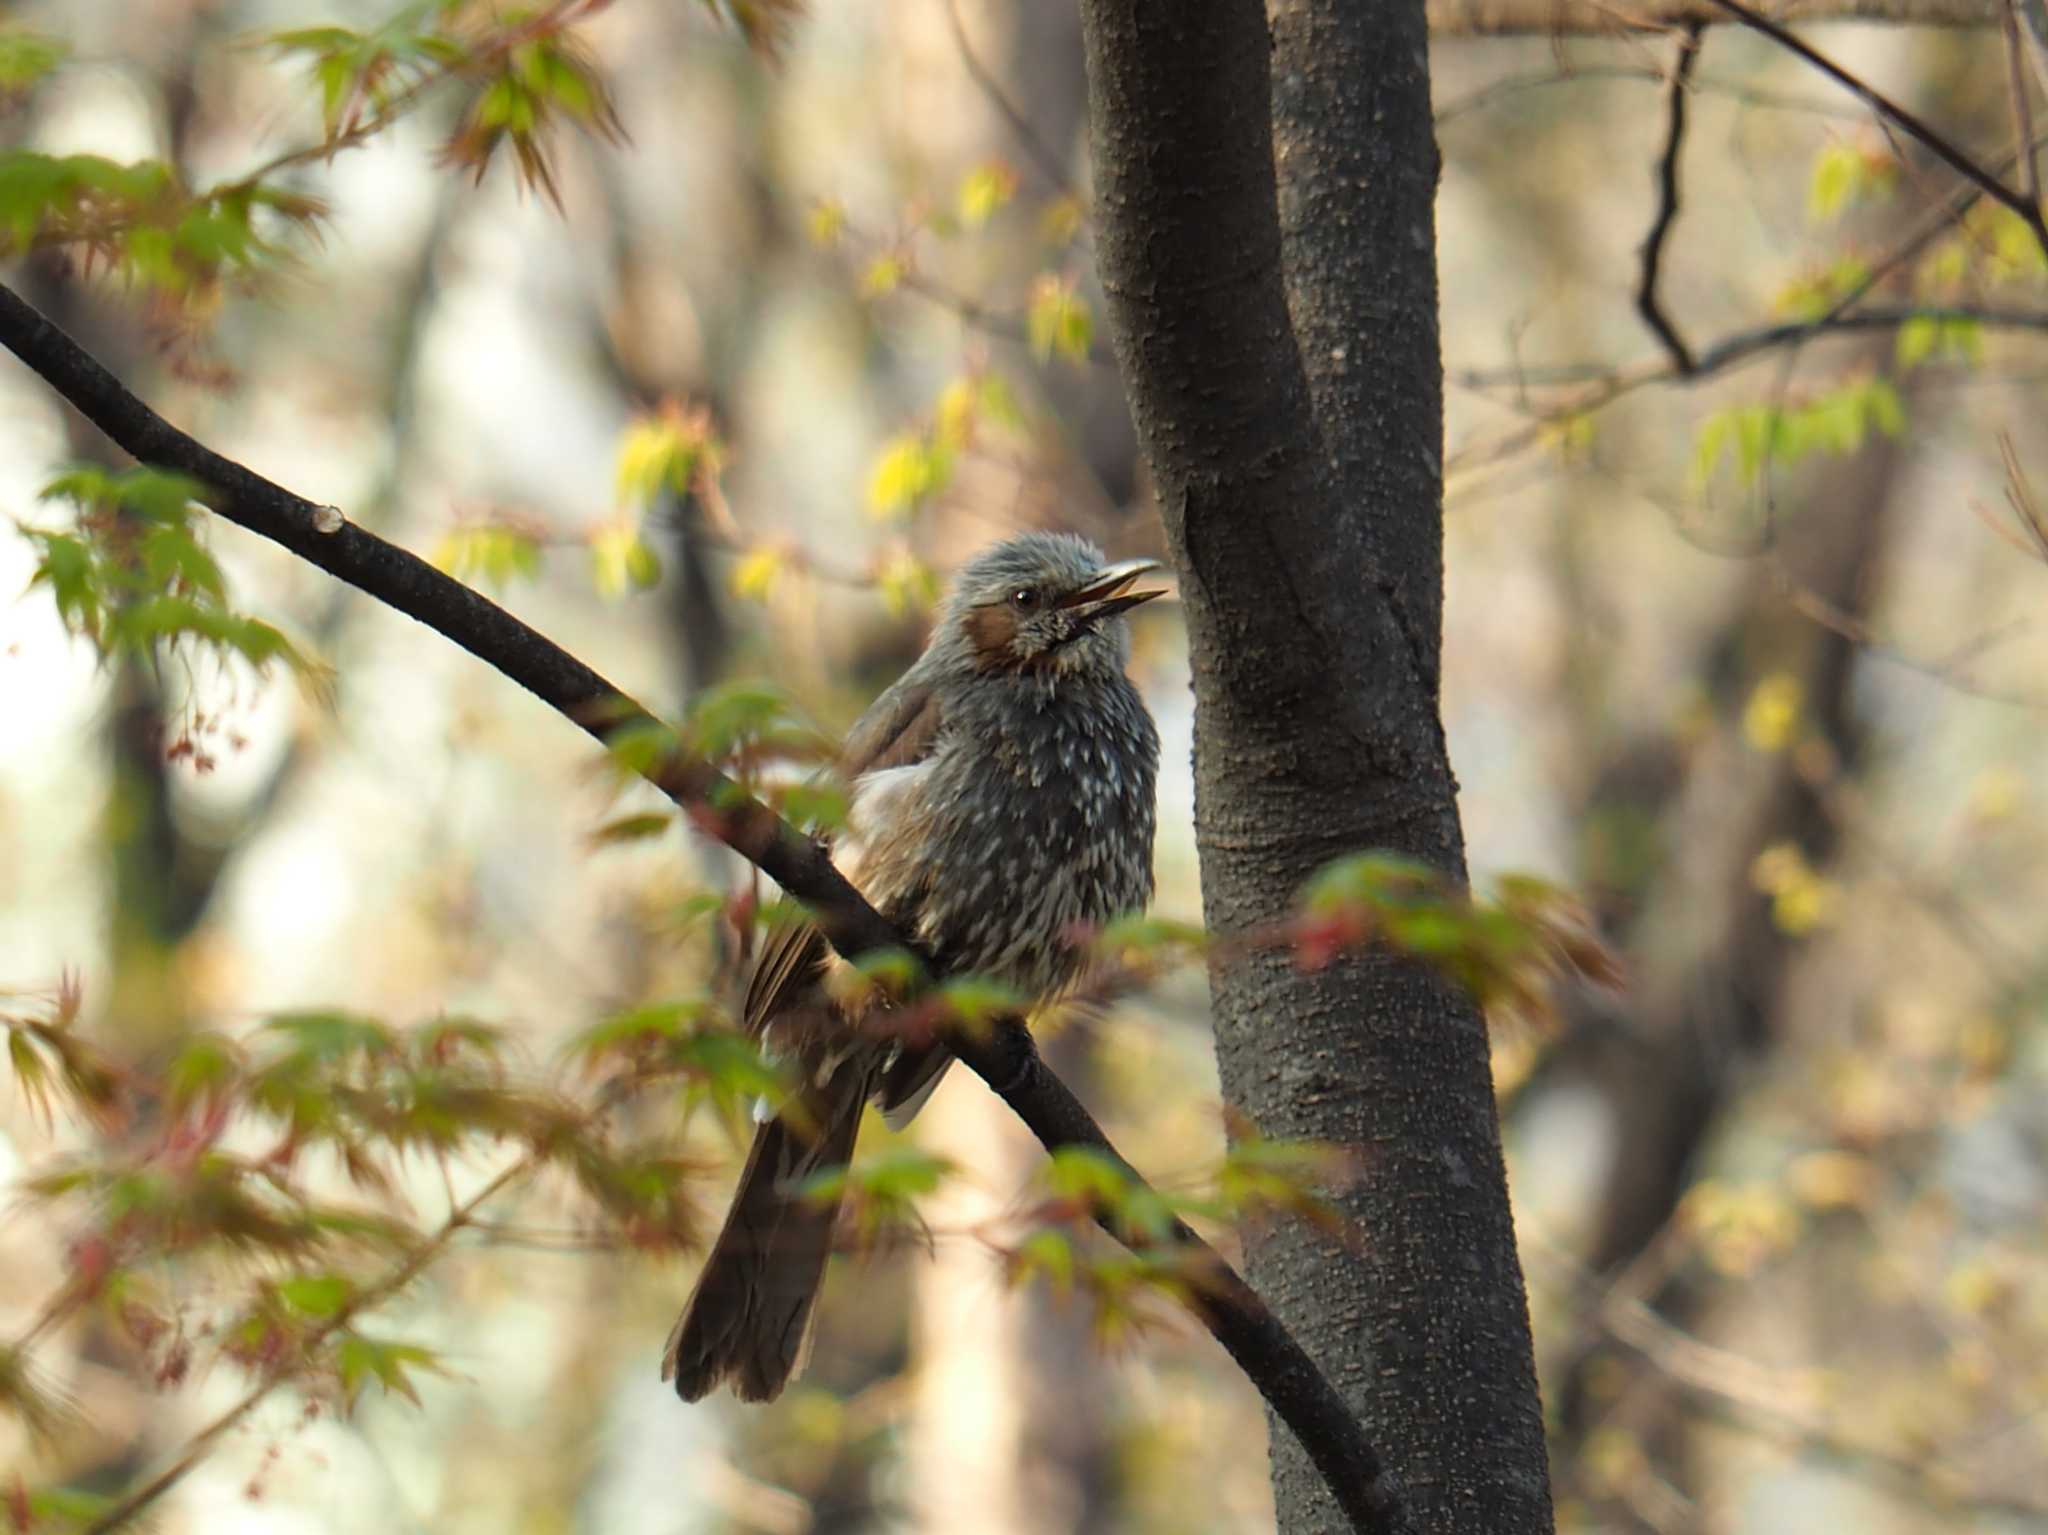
(1040, 153)
(1667, 204)
(2022, 111)
(1515, 85)
(1003, 1054)
(1962, 164)
(394, 106)
(367, 1299)
(1603, 387)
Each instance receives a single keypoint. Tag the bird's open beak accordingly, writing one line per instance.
(1108, 595)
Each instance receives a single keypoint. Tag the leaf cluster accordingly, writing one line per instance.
(1126, 1288)
(133, 577)
(1836, 422)
(143, 224)
(1507, 952)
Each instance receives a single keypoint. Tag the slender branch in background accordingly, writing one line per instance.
(2022, 112)
(1602, 386)
(1570, 74)
(1624, 378)
(2035, 14)
(1047, 164)
(1558, 19)
(1003, 1055)
(1667, 204)
(1943, 150)
(1784, 1405)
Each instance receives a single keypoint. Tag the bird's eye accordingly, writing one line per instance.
(1025, 597)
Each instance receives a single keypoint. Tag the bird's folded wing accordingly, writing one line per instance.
(897, 731)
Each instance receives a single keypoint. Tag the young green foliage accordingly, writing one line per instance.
(362, 75)
(530, 79)
(1507, 952)
(1837, 422)
(141, 223)
(494, 554)
(26, 59)
(53, 1063)
(132, 576)
(879, 1195)
(1059, 321)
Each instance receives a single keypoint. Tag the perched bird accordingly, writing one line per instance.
(1002, 797)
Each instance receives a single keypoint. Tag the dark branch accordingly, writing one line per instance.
(1667, 204)
(2022, 113)
(1962, 164)
(1005, 1056)
(1743, 345)
(1554, 19)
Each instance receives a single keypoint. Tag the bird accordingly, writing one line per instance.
(1002, 801)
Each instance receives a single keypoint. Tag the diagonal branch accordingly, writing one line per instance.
(2022, 113)
(1647, 303)
(1962, 164)
(1043, 159)
(1004, 1056)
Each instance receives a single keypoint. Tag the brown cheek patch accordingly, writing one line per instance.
(991, 631)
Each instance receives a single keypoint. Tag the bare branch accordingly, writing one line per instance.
(1601, 386)
(2022, 112)
(1042, 158)
(1667, 204)
(1615, 18)
(1570, 74)
(1003, 1055)
(1943, 150)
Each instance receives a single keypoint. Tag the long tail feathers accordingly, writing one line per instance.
(749, 1319)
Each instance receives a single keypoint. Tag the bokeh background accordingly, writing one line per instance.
(1753, 661)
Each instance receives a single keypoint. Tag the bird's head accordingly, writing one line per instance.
(1046, 603)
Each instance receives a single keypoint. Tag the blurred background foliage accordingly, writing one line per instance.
(364, 1030)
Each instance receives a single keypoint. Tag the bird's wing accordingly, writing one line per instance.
(897, 731)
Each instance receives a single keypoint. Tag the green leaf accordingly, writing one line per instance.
(1846, 173)
(333, 1036)
(1046, 1253)
(492, 553)
(1917, 339)
(360, 1360)
(621, 560)
(1883, 408)
(987, 188)
(1084, 1174)
(632, 828)
(908, 470)
(1058, 321)
(318, 1296)
(817, 806)
(26, 57)
(974, 1000)
(205, 1066)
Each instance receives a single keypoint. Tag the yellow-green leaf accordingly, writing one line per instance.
(882, 275)
(825, 223)
(986, 189)
(621, 561)
(1058, 322)
(756, 575)
(907, 471)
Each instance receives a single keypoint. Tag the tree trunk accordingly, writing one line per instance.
(1309, 562)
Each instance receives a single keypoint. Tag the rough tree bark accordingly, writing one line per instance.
(1302, 506)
